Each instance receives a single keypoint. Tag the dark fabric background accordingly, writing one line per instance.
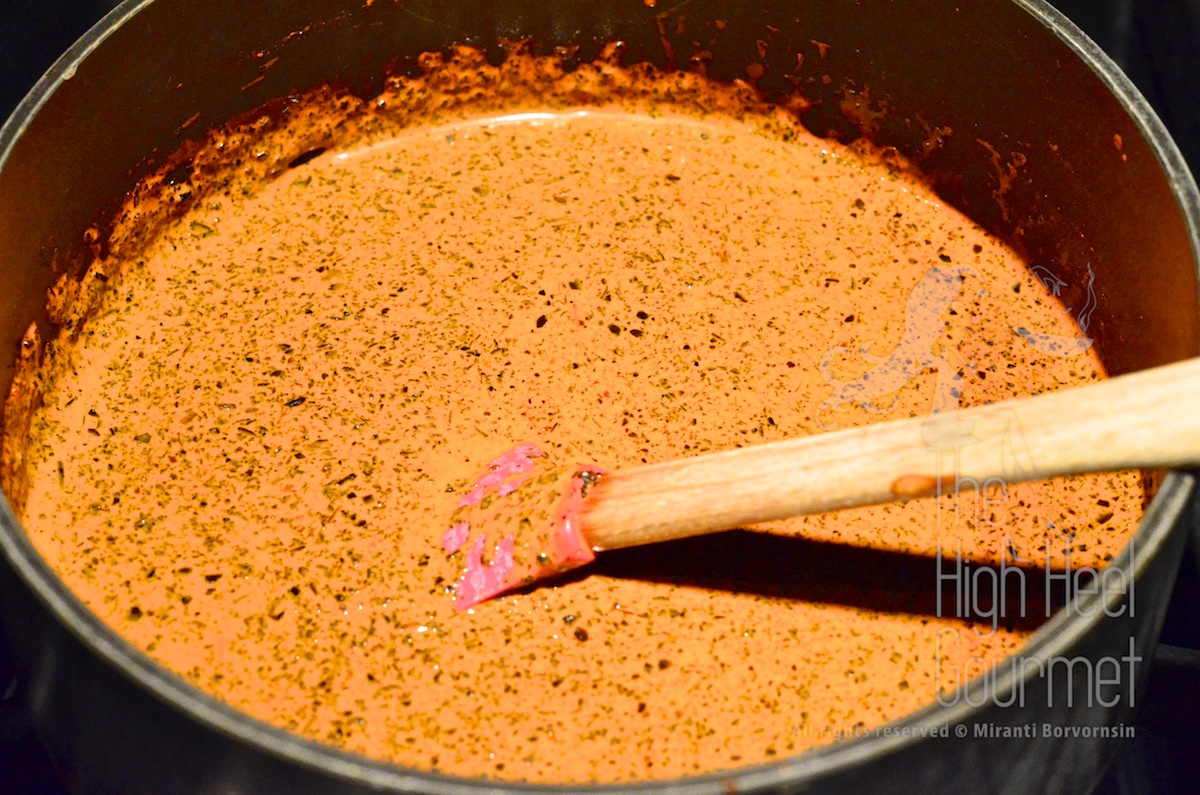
(1156, 42)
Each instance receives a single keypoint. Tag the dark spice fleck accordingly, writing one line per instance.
(301, 159)
(581, 634)
(295, 402)
(541, 321)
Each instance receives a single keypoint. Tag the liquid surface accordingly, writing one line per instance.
(246, 455)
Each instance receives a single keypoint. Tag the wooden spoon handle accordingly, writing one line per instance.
(1145, 419)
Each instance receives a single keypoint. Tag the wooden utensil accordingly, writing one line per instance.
(1148, 419)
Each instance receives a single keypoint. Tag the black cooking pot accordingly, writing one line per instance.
(1016, 117)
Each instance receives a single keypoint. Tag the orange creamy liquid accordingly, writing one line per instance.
(247, 459)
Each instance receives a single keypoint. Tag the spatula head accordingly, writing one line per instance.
(519, 523)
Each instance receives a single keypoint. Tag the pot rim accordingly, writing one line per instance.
(1053, 639)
